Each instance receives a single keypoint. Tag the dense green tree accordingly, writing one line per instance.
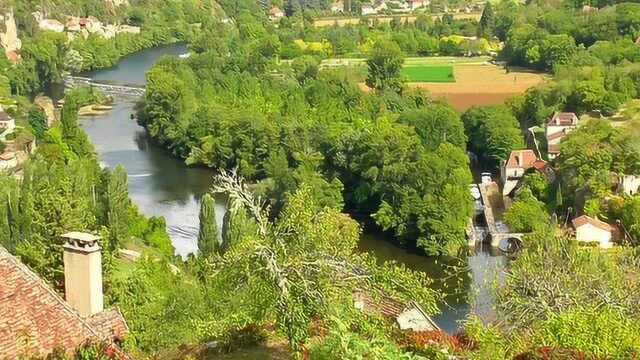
(487, 21)
(384, 64)
(118, 207)
(208, 236)
(436, 124)
(527, 214)
(493, 133)
(38, 121)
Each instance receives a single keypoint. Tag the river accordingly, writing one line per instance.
(161, 185)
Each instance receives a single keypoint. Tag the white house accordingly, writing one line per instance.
(51, 25)
(275, 14)
(8, 160)
(589, 229)
(417, 4)
(337, 7)
(560, 124)
(629, 184)
(6, 122)
(368, 9)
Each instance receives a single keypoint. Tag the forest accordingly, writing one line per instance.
(301, 151)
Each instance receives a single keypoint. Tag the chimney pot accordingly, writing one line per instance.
(83, 272)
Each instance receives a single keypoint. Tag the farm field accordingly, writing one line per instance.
(429, 73)
(477, 82)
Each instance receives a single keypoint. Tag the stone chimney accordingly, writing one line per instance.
(83, 272)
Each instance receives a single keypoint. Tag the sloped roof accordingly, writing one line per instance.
(584, 219)
(35, 320)
(540, 165)
(558, 135)
(563, 119)
(522, 158)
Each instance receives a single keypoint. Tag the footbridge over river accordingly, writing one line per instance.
(111, 89)
(493, 209)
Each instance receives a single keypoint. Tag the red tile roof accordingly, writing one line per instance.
(540, 165)
(563, 119)
(35, 320)
(522, 158)
(109, 324)
(584, 219)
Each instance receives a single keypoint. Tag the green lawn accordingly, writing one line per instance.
(429, 73)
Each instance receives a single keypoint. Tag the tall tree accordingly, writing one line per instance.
(384, 64)
(117, 207)
(487, 22)
(208, 242)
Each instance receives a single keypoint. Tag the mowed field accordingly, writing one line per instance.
(429, 73)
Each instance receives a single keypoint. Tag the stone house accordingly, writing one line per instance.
(275, 14)
(7, 123)
(560, 124)
(51, 25)
(589, 230)
(514, 169)
(629, 184)
(35, 320)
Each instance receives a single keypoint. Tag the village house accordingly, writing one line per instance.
(519, 162)
(590, 230)
(368, 9)
(275, 14)
(9, 40)
(51, 25)
(629, 184)
(417, 4)
(408, 316)
(7, 123)
(127, 29)
(35, 320)
(8, 160)
(560, 124)
(337, 7)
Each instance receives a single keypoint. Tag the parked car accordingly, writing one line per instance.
(486, 177)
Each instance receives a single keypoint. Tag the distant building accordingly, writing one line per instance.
(591, 230)
(368, 9)
(51, 25)
(6, 122)
(560, 124)
(629, 184)
(275, 14)
(514, 169)
(337, 7)
(417, 4)
(35, 320)
(8, 160)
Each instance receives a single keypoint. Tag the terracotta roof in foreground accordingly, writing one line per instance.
(35, 320)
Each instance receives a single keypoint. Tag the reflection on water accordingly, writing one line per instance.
(466, 282)
(161, 185)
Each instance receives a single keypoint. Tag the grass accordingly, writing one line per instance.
(435, 73)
